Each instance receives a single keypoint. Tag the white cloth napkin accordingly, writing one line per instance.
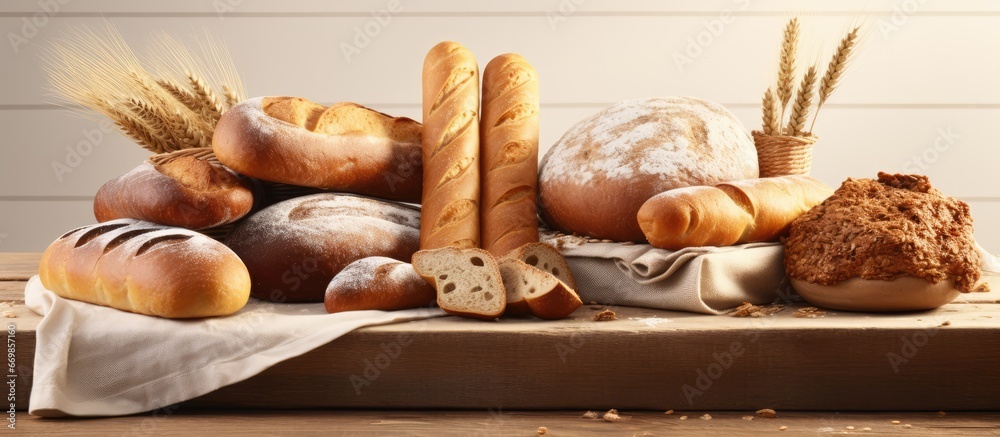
(706, 280)
(97, 361)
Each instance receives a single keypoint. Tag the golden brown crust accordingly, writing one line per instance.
(345, 147)
(179, 190)
(509, 130)
(450, 202)
(378, 283)
(881, 229)
(147, 269)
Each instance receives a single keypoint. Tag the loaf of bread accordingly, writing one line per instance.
(344, 147)
(187, 188)
(467, 281)
(596, 177)
(450, 205)
(539, 292)
(745, 211)
(509, 152)
(378, 283)
(544, 257)
(293, 249)
(146, 268)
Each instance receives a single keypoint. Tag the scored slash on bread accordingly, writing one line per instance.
(537, 291)
(467, 281)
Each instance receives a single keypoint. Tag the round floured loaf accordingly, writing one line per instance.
(293, 249)
(596, 177)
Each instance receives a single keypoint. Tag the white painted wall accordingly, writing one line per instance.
(927, 68)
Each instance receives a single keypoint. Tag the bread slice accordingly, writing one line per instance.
(544, 257)
(544, 295)
(467, 281)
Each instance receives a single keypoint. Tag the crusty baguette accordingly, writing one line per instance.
(450, 210)
(509, 152)
(185, 188)
(543, 295)
(467, 281)
(378, 283)
(146, 268)
(345, 147)
(747, 211)
(545, 257)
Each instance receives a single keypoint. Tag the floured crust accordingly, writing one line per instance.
(596, 177)
(881, 229)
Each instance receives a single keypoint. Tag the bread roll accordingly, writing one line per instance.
(187, 188)
(145, 268)
(378, 283)
(344, 147)
(467, 281)
(293, 249)
(596, 177)
(746, 211)
(509, 150)
(450, 205)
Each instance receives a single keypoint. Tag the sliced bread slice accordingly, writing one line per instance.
(467, 281)
(544, 257)
(545, 296)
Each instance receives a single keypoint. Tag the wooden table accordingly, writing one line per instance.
(644, 363)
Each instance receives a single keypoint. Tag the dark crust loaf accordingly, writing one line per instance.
(880, 229)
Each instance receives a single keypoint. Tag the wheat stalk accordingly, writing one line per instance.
(99, 72)
(803, 101)
(771, 125)
(835, 69)
(786, 64)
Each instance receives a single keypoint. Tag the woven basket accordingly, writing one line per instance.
(783, 155)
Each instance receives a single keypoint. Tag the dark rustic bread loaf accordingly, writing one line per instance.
(293, 249)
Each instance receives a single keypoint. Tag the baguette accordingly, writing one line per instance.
(345, 147)
(145, 268)
(509, 150)
(747, 211)
(467, 281)
(378, 283)
(450, 210)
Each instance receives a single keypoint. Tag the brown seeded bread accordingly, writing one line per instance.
(185, 188)
(345, 147)
(450, 202)
(509, 151)
(544, 295)
(146, 268)
(378, 283)
(467, 281)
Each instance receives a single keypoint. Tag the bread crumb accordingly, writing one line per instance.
(895, 422)
(590, 415)
(683, 418)
(946, 323)
(941, 413)
(766, 413)
(849, 427)
(668, 412)
(605, 315)
(782, 428)
(750, 310)
(9, 314)
(613, 416)
(593, 303)
(983, 287)
(866, 429)
(747, 417)
(706, 416)
(809, 313)
(907, 426)
(542, 430)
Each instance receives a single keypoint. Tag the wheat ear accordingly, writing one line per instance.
(786, 64)
(835, 69)
(803, 100)
(211, 107)
(771, 125)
